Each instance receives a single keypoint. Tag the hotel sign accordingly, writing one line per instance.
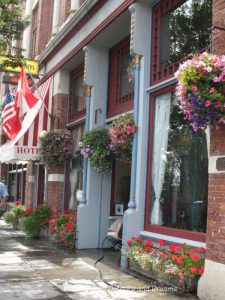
(31, 66)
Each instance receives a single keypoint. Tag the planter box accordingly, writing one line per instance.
(150, 273)
(189, 285)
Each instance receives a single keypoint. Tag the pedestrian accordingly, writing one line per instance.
(4, 196)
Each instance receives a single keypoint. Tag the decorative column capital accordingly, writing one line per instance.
(87, 90)
(137, 60)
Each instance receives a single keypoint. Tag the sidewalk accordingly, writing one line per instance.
(32, 269)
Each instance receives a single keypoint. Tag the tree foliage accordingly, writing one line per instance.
(12, 25)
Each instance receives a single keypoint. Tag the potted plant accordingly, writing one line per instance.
(95, 146)
(32, 221)
(13, 216)
(62, 229)
(121, 135)
(55, 146)
(201, 90)
(178, 265)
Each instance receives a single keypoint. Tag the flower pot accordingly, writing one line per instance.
(189, 285)
(34, 234)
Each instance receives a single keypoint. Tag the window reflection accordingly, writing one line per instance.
(179, 170)
(185, 30)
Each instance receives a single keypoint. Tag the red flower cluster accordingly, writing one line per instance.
(27, 211)
(16, 203)
(63, 228)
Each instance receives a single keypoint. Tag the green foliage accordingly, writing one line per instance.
(95, 146)
(12, 25)
(30, 225)
(55, 146)
(17, 210)
(11, 218)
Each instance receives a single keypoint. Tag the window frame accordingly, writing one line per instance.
(34, 26)
(118, 104)
(75, 115)
(181, 233)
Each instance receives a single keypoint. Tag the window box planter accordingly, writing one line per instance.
(176, 265)
(189, 285)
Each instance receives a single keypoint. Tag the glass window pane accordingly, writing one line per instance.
(179, 170)
(126, 85)
(185, 30)
(122, 189)
(79, 99)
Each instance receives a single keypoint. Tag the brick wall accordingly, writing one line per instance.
(215, 237)
(64, 10)
(59, 111)
(55, 190)
(44, 28)
(29, 185)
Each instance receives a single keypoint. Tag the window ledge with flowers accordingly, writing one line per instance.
(180, 266)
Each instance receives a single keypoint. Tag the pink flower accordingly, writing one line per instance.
(194, 88)
(201, 249)
(195, 257)
(217, 104)
(193, 269)
(212, 89)
(201, 270)
(207, 103)
(129, 243)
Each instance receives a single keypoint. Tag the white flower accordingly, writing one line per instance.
(42, 133)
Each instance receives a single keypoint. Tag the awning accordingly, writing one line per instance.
(25, 145)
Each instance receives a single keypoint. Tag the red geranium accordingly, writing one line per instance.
(161, 243)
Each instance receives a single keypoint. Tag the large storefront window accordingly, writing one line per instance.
(179, 170)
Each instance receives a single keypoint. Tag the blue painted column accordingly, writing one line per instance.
(132, 202)
(85, 160)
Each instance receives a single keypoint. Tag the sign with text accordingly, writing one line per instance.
(31, 66)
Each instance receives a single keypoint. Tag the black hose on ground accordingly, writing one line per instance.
(113, 285)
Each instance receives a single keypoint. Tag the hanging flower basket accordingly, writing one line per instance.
(180, 266)
(95, 146)
(121, 135)
(201, 90)
(55, 146)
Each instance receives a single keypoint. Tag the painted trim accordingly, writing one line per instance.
(212, 165)
(119, 10)
(76, 123)
(173, 239)
(161, 85)
(56, 177)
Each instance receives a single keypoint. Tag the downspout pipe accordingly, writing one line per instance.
(132, 201)
(83, 201)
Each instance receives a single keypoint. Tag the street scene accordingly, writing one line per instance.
(112, 152)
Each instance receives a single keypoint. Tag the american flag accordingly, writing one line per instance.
(8, 115)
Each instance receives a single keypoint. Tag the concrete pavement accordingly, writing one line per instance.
(33, 269)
